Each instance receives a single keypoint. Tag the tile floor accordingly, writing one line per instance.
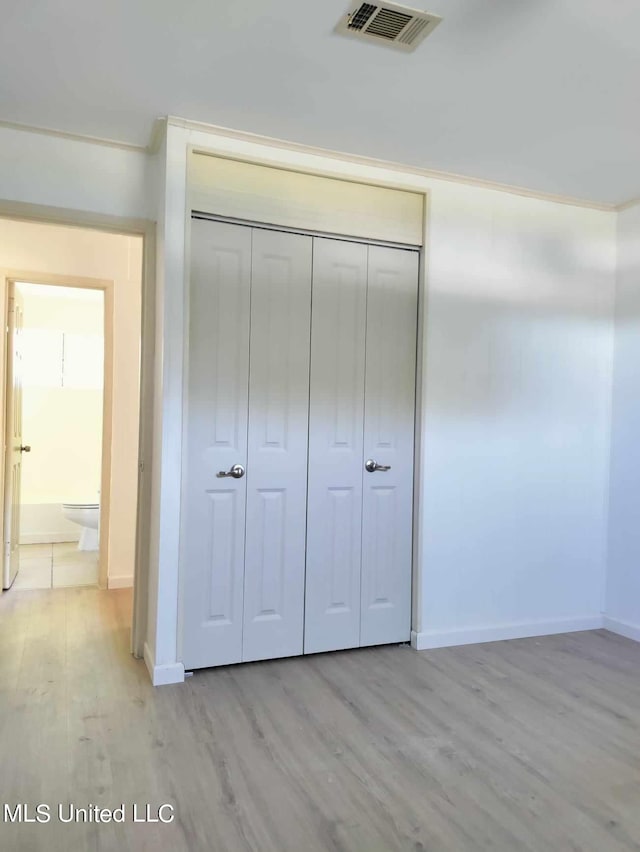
(51, 566)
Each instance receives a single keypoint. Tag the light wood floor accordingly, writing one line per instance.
(532, 744)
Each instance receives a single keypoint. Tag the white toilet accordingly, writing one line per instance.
(86, 515)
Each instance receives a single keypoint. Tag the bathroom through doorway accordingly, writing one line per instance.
(56, 383)
(72, 298)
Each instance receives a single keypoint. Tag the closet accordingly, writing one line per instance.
(298, 475)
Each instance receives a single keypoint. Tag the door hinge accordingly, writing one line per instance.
(141, 467)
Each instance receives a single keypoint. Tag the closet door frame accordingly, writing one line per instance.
(416, 579)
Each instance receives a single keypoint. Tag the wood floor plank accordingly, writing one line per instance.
(529, 745)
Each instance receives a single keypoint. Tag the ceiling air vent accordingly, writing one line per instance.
(397, 26)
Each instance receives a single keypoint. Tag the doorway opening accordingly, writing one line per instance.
(55, 410)
(81, 490)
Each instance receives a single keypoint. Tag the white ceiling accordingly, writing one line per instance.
(536, 93)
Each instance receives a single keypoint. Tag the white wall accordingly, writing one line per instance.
(623, 579)
(46, 170)
(515, 383)
(59, 250)
(516, 394)
(62, 407)
(516, 408)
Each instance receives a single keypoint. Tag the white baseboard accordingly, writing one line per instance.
(162, 675)
(623, 628)
(48, 538)
(123, 582)
(497, 632)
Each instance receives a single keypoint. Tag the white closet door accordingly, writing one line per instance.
(334, 524)
(389, 440)
(277, 459)
(217, 439)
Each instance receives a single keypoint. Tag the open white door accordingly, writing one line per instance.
(13, 439)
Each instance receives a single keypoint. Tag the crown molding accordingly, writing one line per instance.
(160, 124)
(74, 137)
(432, 174)
(626, 205)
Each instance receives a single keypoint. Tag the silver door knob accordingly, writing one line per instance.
(25, 448)
(237, 472)
(371, 465)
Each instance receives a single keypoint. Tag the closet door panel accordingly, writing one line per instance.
(277, 454)
(334, 522)
(216, 439)
(389, 440)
